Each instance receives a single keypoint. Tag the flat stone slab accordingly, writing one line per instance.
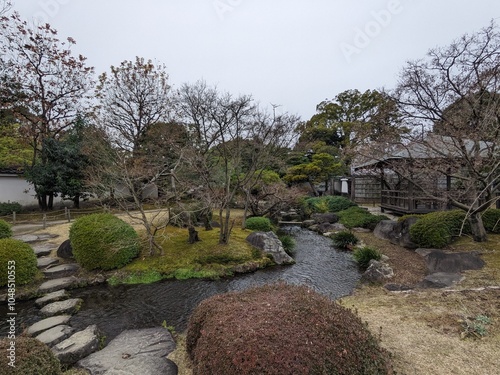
(440, 280)
(63, 270)
(137, 351)
(69, 306)
(78, 346)
(46, 261)
(42, 250)
(55, 335)
(440, 261)
(28, 238)
(48, 323)
(58, 284)
(52, 297)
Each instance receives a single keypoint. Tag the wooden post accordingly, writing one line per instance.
(68, 215)
(14, 217)
(44, 221)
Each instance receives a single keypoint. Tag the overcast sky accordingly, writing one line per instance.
(294, 53)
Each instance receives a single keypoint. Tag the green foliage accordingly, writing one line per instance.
(363, 255)
(344, 239)
(237, 333)
(491, 220)
(262, 224)
(25, 266)
(32, 357)
(357, 217)
(5, 229)
(438, 229)
(103, 241)
(475, 328)
(14, 151)
(327, 203)
(321, 167)
(9, 207)
(288, 243)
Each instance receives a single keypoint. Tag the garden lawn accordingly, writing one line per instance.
(204, 259)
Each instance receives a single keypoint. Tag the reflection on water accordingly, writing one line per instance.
(114, 309)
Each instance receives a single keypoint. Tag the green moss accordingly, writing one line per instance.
(262, 224)
(17, 261)
(357, 217)
(327, 203)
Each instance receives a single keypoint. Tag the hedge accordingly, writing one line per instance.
(491, 220)
(262, 224)
(5, 229)
(17, 257)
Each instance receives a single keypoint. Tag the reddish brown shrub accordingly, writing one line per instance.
(281, 329)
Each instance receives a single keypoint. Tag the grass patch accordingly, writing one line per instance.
(146, 277)
(204, 259)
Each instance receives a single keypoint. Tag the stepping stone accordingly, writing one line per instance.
(28, 238)
(46, 261)
(42, 250)
(69, 306)
(440, 280)
(136, 351)
(58, 284)
(78, 346)
(55, 335)
(62, 270)
(52, 297)
(48, 323)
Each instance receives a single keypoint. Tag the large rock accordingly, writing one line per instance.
(65, 250)
(48, 323)
(270, 244)
(55, 335)
(440, 280)
(377, 272)
(440, 261)
(78, 346)
(328, 217)
(138, 351)
(69, 306)
(397, 232)
(330, 228)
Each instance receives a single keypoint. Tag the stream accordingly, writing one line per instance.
(114, 309)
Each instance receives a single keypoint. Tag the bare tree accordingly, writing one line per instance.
(451, 101)
(5, 6)
(231, 139)
(47, 85)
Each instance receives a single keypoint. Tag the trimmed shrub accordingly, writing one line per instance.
(358, 217)
(288, 243)
(261, 224)
(5, 229)
(327, 203)
(438, 229)
(24, 258)
(363, 255)
(32, 357)
(344, 239)
(280, 329)
(7, 208)
(491, 220)
(103, 241)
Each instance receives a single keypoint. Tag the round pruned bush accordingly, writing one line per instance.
(261, 224)
(32, 357)
(103, 241)
(438, 229)
(281, 329)
(17, 261)
(358, 217)
(344, 239)
(491, 220)
(5, 229)
(363, 255)
(325, 204)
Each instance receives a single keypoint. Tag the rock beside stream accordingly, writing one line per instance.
(78, 346)
(137, 351)
(270, 244)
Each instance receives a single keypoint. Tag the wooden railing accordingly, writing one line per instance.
(405, 202)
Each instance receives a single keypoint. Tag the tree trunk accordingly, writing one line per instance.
(313, 188)
(76, 201)
(477, 227)
(50, 204)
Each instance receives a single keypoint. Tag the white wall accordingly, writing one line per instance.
(17, 189)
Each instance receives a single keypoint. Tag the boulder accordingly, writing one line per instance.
(270, 244)
(330, 228)
(138, 351)
(46, 324)
(328, 217)
(78, 346)
(65, 250)
(51, 297)
(55, 335)
(308, 223)
(69, 306)
(397, 232)
(440, 261)
(377, 272)
(440, 280)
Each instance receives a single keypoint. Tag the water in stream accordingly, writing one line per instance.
(114, 309)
